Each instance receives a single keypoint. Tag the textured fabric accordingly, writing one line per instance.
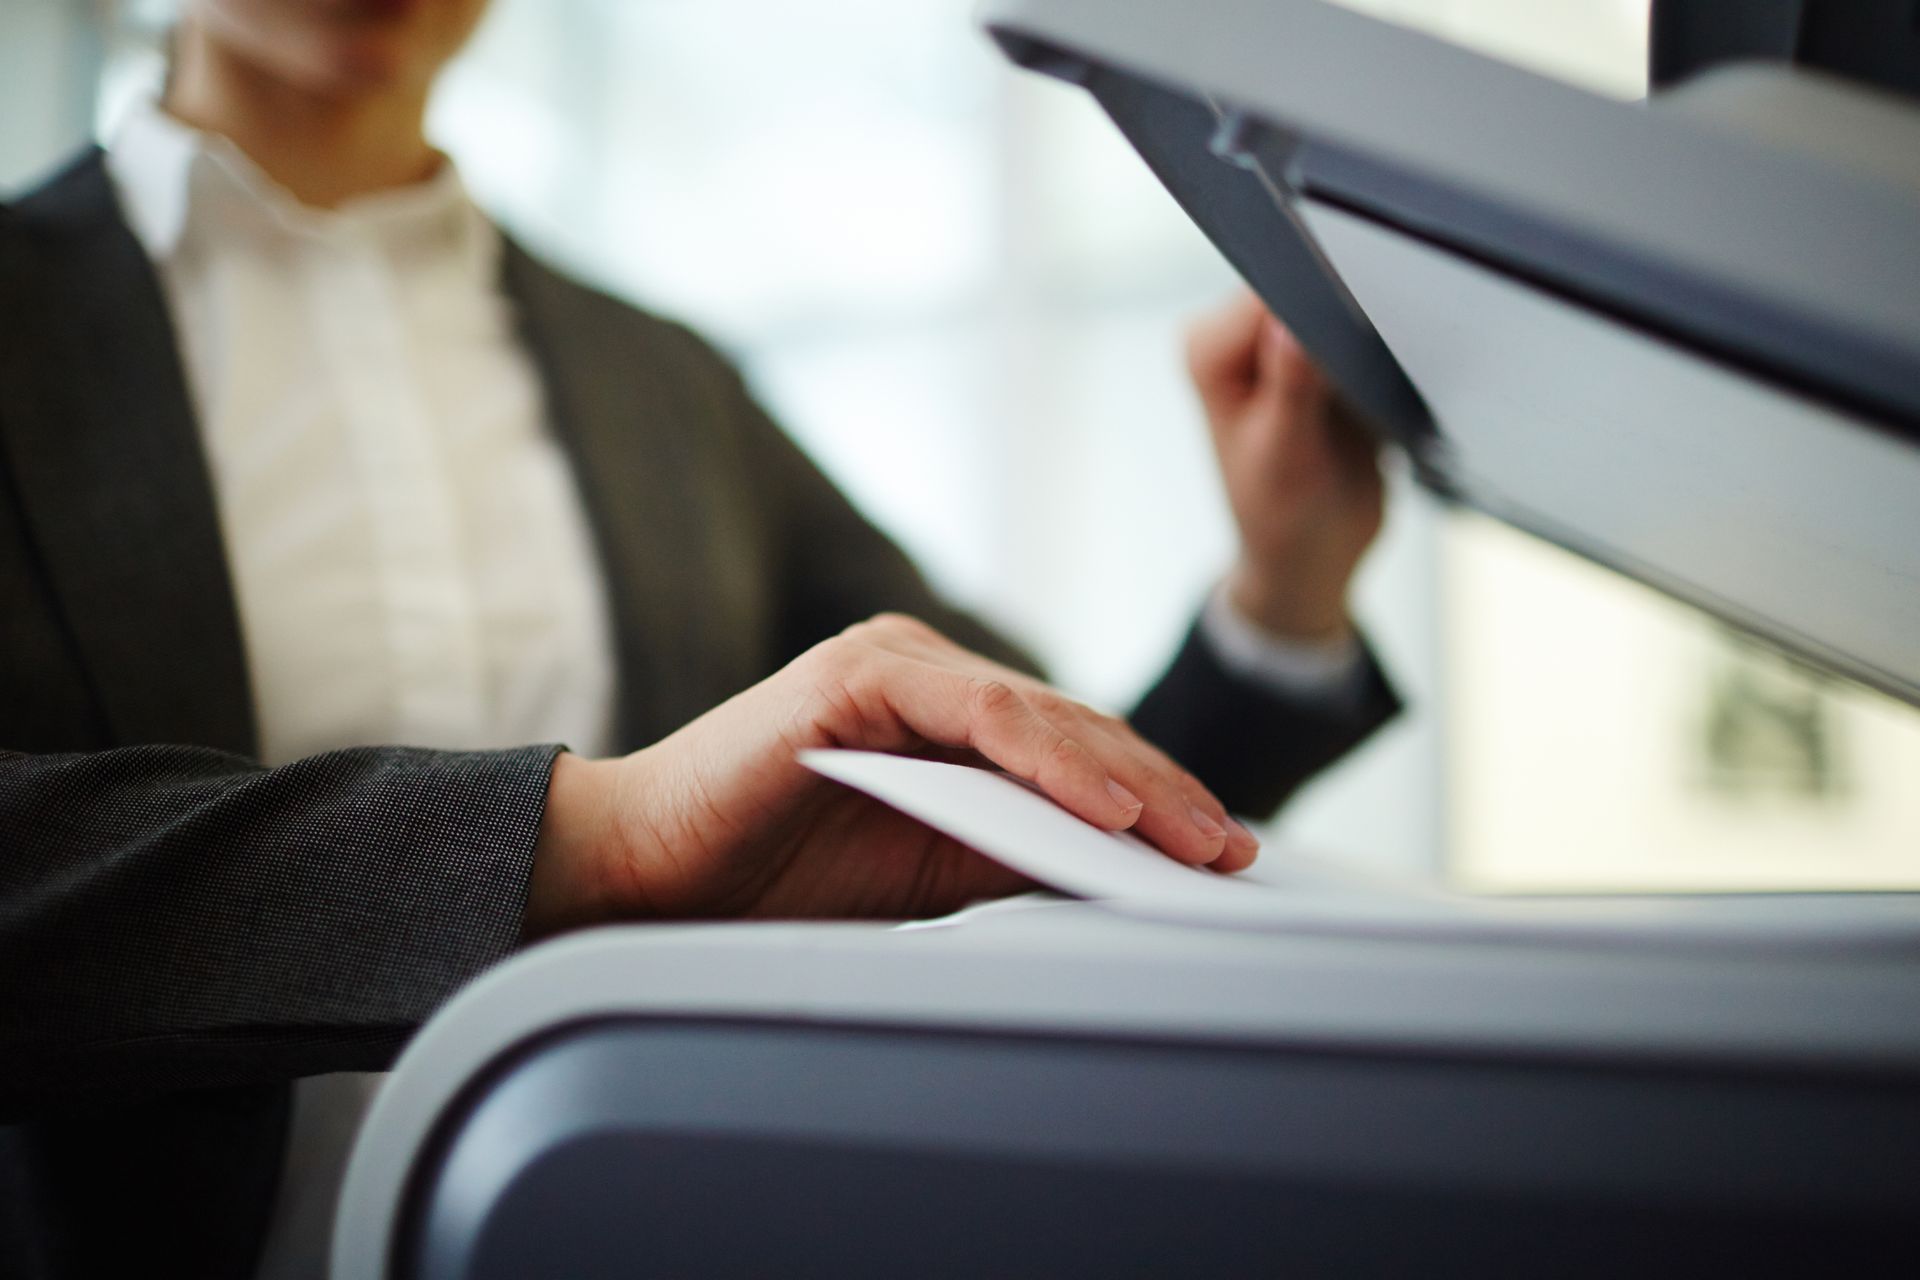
(1333, 672)
(1254, 747)
(410, 556)
(160, 906)
(118, 611)
(725, 550)
(179, 925)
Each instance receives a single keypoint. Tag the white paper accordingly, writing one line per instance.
(1023, 829)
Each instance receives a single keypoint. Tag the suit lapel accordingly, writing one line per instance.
(612, 407)
(101, 436)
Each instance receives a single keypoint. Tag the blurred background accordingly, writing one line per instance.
(965, 295)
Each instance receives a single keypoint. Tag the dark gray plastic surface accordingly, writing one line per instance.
(1783, 264)
(1766, 331)
(1375, 1055)
(1221, 172)
(689, 1149)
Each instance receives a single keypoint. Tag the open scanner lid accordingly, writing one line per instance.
(1681, 338)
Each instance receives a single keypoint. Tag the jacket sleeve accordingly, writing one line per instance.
(1252, 745)
(179, 918)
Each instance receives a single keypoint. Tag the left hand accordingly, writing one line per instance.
(1302, 474)
(721, 819)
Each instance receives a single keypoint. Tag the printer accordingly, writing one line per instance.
(1680, 338)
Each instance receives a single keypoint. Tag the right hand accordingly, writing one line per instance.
(1302, 473)
(721, 819)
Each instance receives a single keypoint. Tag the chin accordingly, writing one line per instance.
(338, 47)
(365, 66)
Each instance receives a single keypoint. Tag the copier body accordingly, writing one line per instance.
(1065, 1091)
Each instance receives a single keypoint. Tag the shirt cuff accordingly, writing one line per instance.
(1328, 673)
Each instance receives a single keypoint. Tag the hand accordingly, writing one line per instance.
(720, 819)
(1302, 475)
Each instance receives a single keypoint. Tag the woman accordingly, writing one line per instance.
(302, 456)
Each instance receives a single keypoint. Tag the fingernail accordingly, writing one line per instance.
(1123, 797)
(1208, 827)
(1247, 837)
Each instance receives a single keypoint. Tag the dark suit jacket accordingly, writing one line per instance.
(182, 932)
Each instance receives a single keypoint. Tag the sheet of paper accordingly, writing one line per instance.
(1015, 825)
(1001, 818)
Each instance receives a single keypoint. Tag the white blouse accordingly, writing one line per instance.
(410, 557)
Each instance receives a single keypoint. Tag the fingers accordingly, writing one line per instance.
(1241, 352)
(1223, 351)
(1093, 765)
(959, 708)
(1295, 396)
(1283, 362)
(1176, 813)
(1191, 831)
(1146, 769)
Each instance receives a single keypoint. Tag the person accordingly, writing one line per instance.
(301, 456)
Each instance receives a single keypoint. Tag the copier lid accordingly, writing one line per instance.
(1681, 338)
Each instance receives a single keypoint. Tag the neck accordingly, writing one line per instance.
(325, 149)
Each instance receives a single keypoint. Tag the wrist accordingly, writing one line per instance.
(1291, 607)
(566, 884)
